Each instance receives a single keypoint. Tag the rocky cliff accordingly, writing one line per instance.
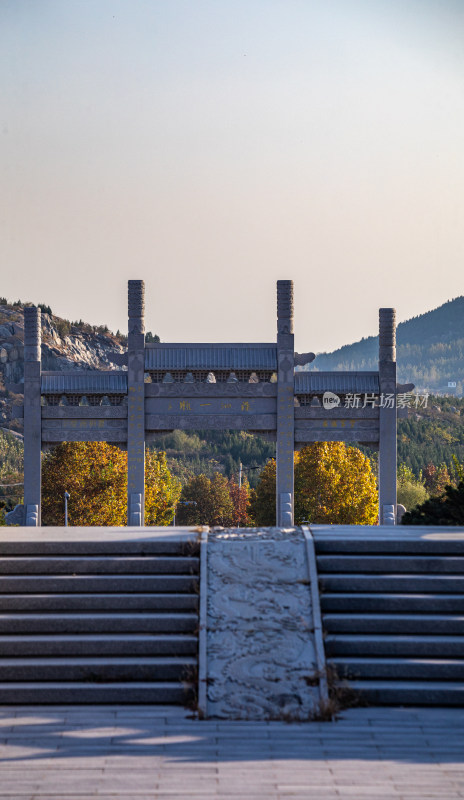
(64, 347)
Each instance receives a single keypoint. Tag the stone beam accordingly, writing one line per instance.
(84, 412)
(210, 390)
(237, 422)
(207, 406)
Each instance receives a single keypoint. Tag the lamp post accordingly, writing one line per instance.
(66, 498)
(241, 470)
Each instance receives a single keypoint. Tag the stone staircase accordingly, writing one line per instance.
(392, 606)
(98, 616)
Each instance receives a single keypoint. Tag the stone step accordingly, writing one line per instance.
(128, 644)
(383, 603)
(390, 564)
(46, 584)
(145, 622)
(409, 669)
(444, 543)
(103, 541)
(441, 624)
(79, 693)
(393, 613)
(106, 669)
(392, 583)
(99, 565)
(386, 645)
(412, 693)
(99, 602)
(94, 616)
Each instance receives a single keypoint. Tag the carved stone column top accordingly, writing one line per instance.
(285, 306)
(32, 333)
(136, 306)
(301, 359)
(387, 334)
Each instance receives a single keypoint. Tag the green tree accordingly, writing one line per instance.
(411, 491)
(63, 327)
(334, 484)
(206, 501)
(457, 469)
(263, 498)
(448, 509)
(11, 469)
(95, 475)
(411, 494)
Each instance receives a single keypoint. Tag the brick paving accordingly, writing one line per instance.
(149, 753)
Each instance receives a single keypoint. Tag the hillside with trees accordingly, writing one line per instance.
(430, 353)
(430, 350)
(208, 452)
(434, 435)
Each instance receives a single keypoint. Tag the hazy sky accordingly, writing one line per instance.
(214, 146)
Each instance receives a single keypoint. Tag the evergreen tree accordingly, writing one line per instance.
(448, 509)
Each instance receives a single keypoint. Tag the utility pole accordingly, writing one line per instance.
(66, 498)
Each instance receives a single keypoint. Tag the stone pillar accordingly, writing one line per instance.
(285, 406)
(136, 406)
(32, 416)
(387, 439)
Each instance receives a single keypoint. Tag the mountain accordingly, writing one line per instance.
(435, 435)
(430, 351)
(65, 346)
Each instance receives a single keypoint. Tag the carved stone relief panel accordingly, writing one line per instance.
(210, 390)
(260, 645)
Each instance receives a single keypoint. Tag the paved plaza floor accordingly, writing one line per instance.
(149, 753)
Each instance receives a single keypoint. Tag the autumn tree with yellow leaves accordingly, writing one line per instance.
(206, 501)
(95, 475)
(334, 484)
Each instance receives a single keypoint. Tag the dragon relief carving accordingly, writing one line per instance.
(260, 628)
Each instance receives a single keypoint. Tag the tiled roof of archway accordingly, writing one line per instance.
(232, 357)
(317, 382)
(91, 382)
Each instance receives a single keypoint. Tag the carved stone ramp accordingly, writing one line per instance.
(98, 615)
(393, 611)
